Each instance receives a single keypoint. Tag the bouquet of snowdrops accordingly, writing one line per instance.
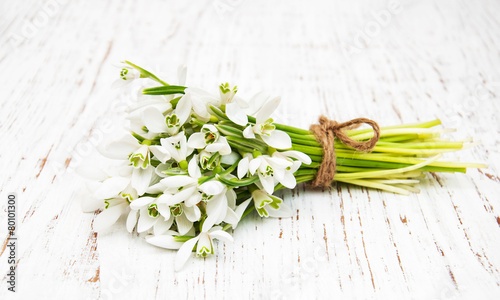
(196, 163)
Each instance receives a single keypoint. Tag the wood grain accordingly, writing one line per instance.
(389, 61)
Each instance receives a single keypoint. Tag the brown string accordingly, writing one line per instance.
(325, 133)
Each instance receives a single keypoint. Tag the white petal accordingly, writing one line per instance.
(254, 165)
(184, 253)
(204, 242)
(162, 226)
(141, 179)
(132, 220)
(182, 74)
(111, 187)
(212, 187)
(120, 149)
(183, 224)
(193, 168)
(288, 180)
(283, 212)
(267, 183)
(156, 188)
(193, 200)
(231, 198)
(231, 217)
(183, 108)
(183, 195)
(248, 132)
(154, 120)
(141, 202)
(236, 114)
(160, 153)
(197, 140)
(145, 221)
(108, 217)
(192, 213)
(243, 167)
(91, 204)
(230, 159)
(221, 236)
(164, 241)
(215, 209)
(302, 157)
(176, 181)
(278, 139)
(267, 109)
(164, 211)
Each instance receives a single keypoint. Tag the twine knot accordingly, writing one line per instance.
(325, 133)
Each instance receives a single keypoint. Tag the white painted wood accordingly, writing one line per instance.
(423, 60)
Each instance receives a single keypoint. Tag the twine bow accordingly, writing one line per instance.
(325, 133)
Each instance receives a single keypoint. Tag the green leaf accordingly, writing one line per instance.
(164, 90)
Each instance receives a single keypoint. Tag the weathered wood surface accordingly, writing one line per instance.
(392, 62)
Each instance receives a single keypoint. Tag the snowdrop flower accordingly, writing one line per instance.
(235, 107)
(146, 213)
(268, 205)
(209, 139)
(116, 204)
(156, 122)
(270, 170)
(195, 101)
(177, 147)
(208, 161)
(127, 75)
(203, 243)
(166, 240)
(265, 128)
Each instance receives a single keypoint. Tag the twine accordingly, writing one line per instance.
(326, 132)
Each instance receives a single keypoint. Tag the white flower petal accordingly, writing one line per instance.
(243, 167)
(192, 213)
(230, 159)
(254, 164)
(176, 181)
(193, 200)
(141, 202)
(183, 195)
(267, 109)
(216, 208)
(111, 187)
(236, 114)
(302, 157)
(193, 168)
(212, 187)
(141, 179)
(248, 132)
(183, 224)
(120, 149)
(288, 180)
(231, 198)
(154, 120)
(267, 183)
(204, 242)
(183, 108)
(108, 217)
(132, 220)
(164, 241)
(164, 211)
(145, 221)
(197, 140)
(184, 253)
(283, 212)
(221, 236)
(162, 226)
(182, 74)
(91, 204)
(160, 153)
(278, 139)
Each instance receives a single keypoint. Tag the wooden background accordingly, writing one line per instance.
(390, 61)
